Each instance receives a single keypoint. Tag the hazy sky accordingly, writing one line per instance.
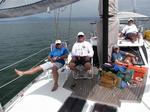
(86, 8)
(141, 6)
(89, 8)
(83, 8)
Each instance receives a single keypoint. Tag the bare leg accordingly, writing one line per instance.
(72, 66)
(87, 66)
(133, 38)
(128, 60)
(28, 72)
(134, 60)
(55, 77)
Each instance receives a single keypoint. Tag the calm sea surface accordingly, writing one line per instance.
(22, 38)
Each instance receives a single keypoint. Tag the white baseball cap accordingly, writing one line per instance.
(80, 33)
(58, 42)
(130, 19)
(115, 46)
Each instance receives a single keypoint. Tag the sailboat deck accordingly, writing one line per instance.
(90, 89)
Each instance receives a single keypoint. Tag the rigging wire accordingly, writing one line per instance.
(2, 1)
(134, 5)
(23, 59)
(19, 62)
(57, 22)
(70, 20)
(56, 16)
(9, 82)
(20, 76)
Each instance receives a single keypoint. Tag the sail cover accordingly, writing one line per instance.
(113, 28)
(16, 8)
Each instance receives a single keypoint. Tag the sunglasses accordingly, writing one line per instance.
(58, 44)
(81, 36)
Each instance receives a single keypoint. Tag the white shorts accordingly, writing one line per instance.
(48, 65)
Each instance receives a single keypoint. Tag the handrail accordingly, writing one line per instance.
(22, 59)
(147, 43)
(146, 105)
(1, 108)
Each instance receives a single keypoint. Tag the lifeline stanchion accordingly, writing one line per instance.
(1, 108)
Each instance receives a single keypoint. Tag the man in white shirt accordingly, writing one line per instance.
(130, 31)
(82, 52)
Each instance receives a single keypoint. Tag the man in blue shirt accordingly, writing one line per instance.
(56, 60)
(121, 57)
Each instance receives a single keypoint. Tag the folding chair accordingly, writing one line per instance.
(81, 73)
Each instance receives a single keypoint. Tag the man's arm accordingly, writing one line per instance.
(73, 52)
(50, 59)
(91, 52)
(121, 34)
(116, 61)
(136, 29)
(120, 63)
(130, 54)
(65, 54)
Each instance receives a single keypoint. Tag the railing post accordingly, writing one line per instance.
(1, 108)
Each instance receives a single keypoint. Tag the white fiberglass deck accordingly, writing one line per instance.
(39, 98)
(126, 43)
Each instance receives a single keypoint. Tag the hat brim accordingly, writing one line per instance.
(130, 20)
(58, 43)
